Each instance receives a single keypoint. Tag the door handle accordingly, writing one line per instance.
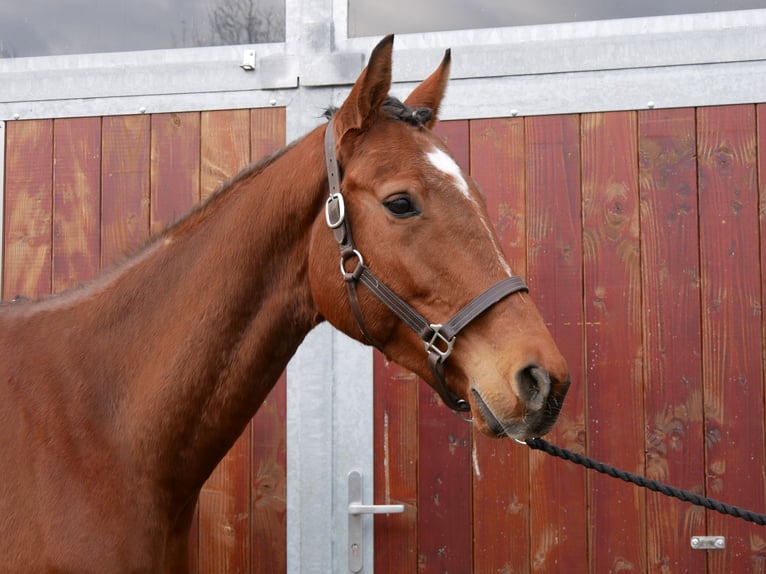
(356, 510)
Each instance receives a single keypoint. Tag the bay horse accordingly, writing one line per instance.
(119, 398)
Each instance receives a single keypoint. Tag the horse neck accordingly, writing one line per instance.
(208, 317)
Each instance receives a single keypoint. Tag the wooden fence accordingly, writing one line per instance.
(641, 236)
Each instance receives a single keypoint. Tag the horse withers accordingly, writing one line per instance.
(118, 399)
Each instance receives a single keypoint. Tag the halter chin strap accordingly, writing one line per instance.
(438, 338)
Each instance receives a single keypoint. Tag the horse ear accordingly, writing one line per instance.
(363, 102)
(430, 92)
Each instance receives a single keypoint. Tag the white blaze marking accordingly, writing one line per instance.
(444, 163)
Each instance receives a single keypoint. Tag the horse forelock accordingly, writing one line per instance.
(397, 110)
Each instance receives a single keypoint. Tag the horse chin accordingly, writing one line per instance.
(522, 426)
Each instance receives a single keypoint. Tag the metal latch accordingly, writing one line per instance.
(708, 542)
(356, 509)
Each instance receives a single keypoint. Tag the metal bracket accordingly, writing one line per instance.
(248, 61)
(356, 510)
(708, 542)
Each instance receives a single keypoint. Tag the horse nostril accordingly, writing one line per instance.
(534, 385)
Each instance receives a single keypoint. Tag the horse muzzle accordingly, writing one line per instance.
(539, 402)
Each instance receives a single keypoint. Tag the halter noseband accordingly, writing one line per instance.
(438, 338)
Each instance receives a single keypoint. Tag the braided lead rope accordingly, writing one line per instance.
(685, 495)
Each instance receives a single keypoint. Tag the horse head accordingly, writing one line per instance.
(407, 217)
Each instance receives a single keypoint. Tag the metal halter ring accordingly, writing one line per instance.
(357, 270)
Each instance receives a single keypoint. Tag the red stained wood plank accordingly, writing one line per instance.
(501, 467)
(225, 147)
(267, 131)
(558, 523)
(76, 201)
(395, 427)
(224, 513)
(124, 186)
(498, 165)
(731, 328)
(27, 212)
(444, 487)
(444, 460)
(612, 293)
(175, 172)
(269, 453)
(671, 309)
(269, 483)
(761, 145)
(225, 499)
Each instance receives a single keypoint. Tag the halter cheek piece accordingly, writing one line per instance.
(438, 338)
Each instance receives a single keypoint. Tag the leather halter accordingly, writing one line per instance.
(438, 338)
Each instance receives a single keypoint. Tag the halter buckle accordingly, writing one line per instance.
(335, 211)
(437, 339)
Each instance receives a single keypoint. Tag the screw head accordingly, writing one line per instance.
(695, 542)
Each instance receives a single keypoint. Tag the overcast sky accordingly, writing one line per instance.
(51, 27)
(375, 17)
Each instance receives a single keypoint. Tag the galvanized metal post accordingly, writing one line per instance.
(329, 381)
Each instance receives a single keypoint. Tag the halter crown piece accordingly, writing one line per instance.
(438, 338)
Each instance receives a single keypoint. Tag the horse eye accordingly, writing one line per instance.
(401, 206)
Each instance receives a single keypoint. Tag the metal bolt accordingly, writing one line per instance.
(720, 543)
(695, 542)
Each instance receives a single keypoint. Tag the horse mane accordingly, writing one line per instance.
(193, 216)
(397, 110)
(391, 107)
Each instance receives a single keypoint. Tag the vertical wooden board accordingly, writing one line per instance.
(671, 318)
(761, 146)
(731, 328)
(444, 487)
(224, 502)
(124, 185)
(173, 190)
(224, 513)
(612, 294)
(269, 453)
(395, 428)
(269, 489)
(444, 453)
(76, 201)
(498, 165)
(175, 160)
(28, 208)
(501, 467)
(224, 147)
(558, 524)
(267, 131)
